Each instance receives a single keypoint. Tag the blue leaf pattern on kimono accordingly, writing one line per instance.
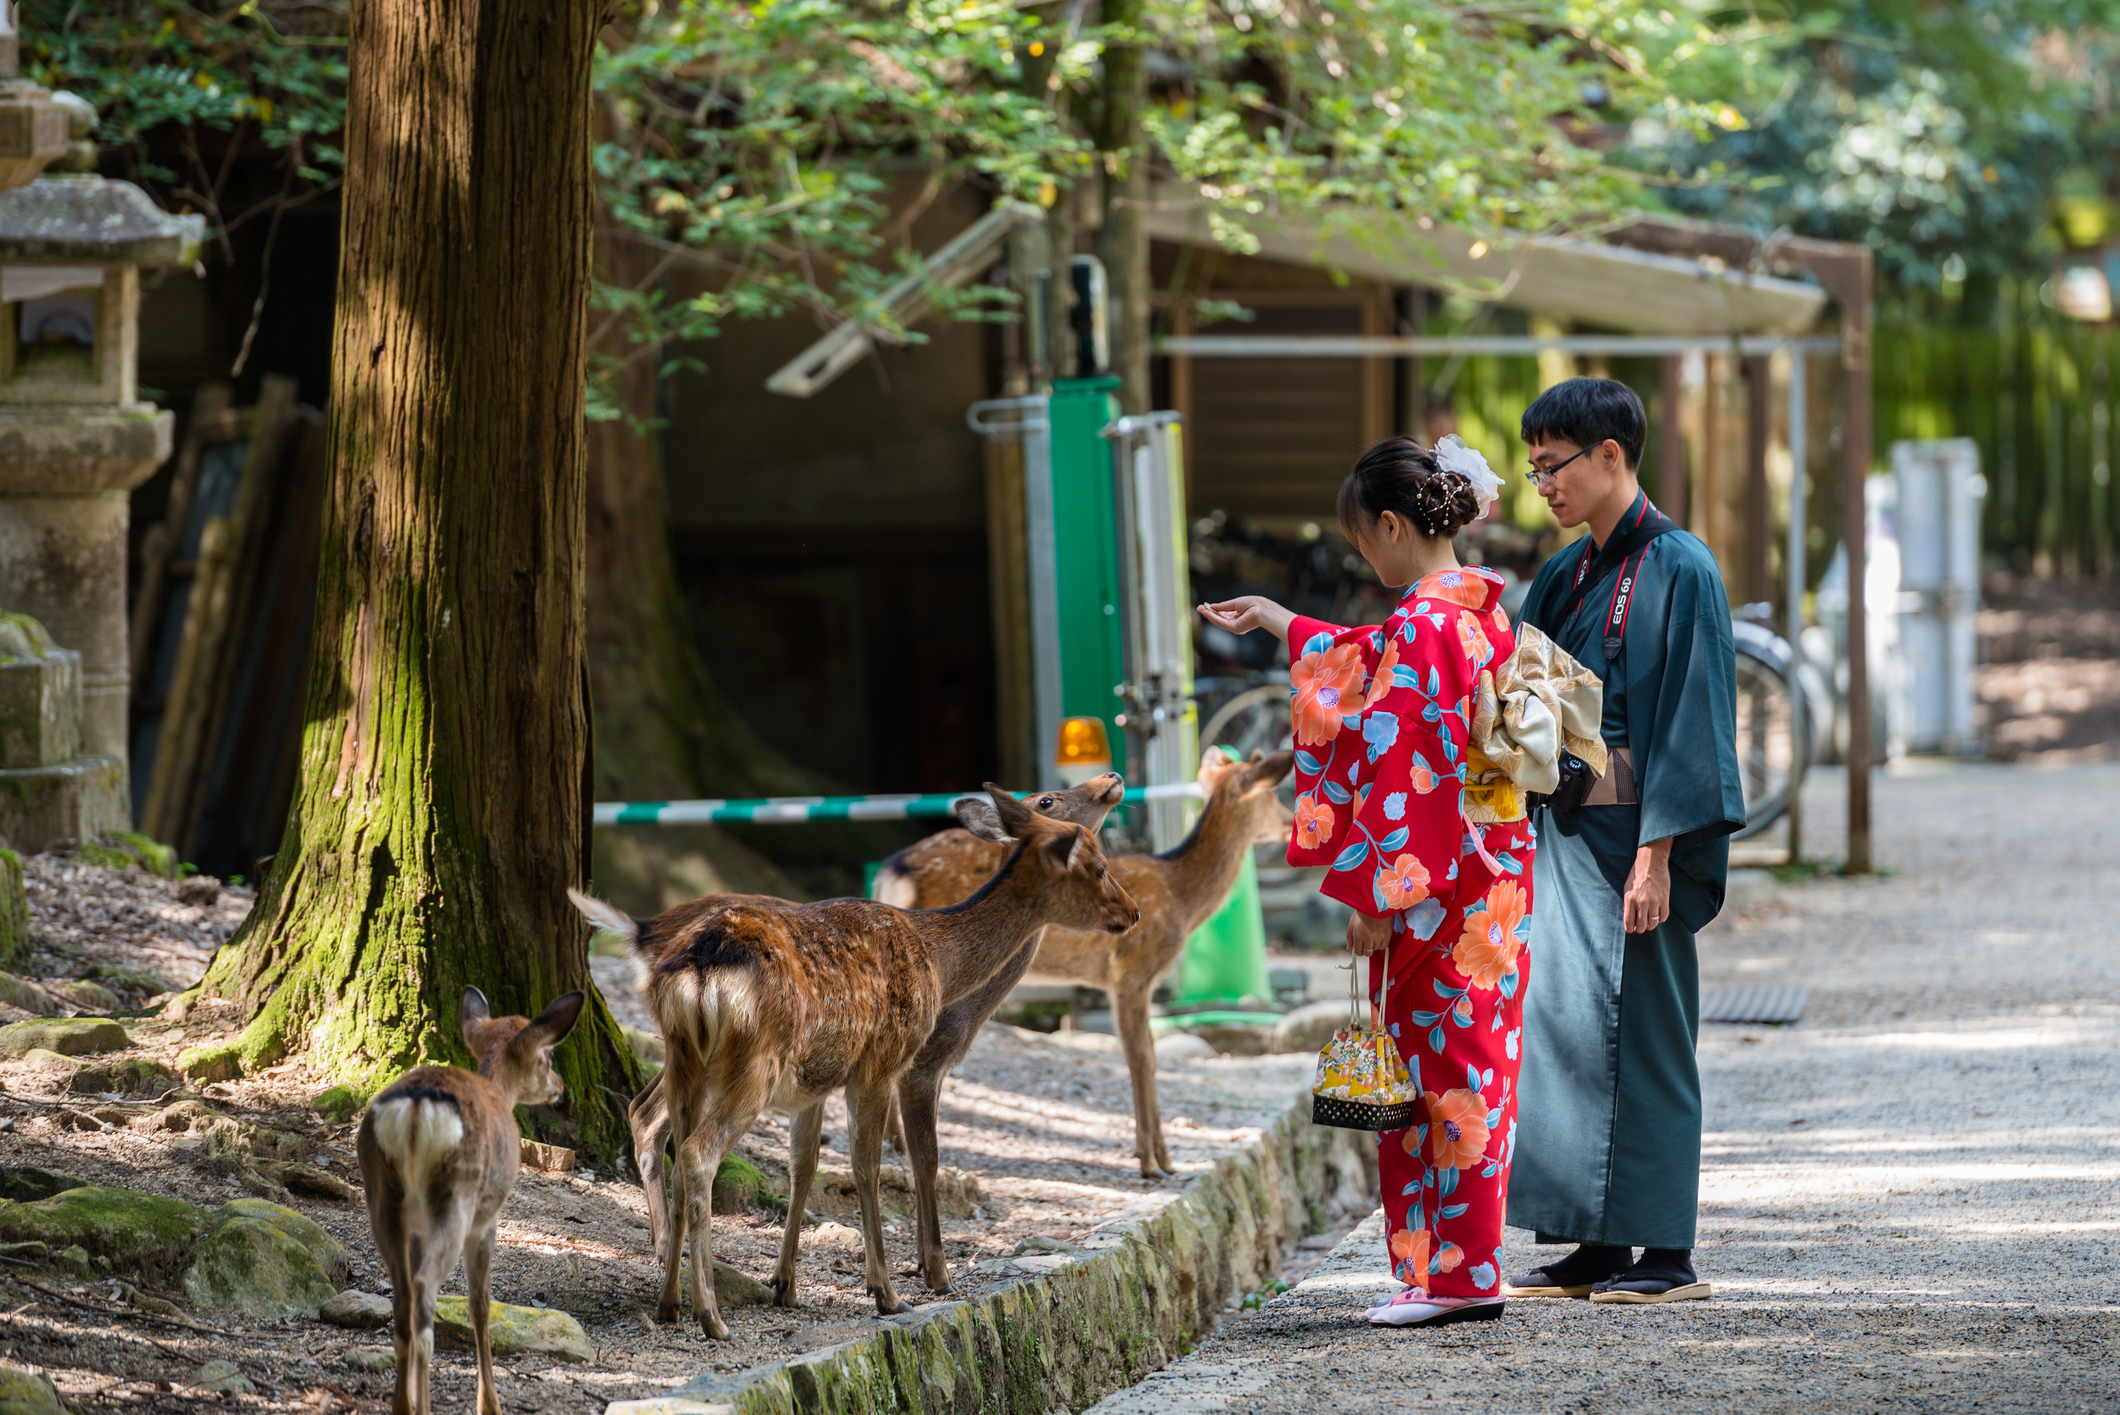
(1421, 608)
(1339, 794)
(1353, 855)
(1351, 724)
(1413, 1188)
(1508, 862)
(1425, 1019)
(1446, 1181)
(1452, 1211)
(1405, 675)
(1472, 1078)
(1443, 989)
(1435, 681)
(1432, 713)
(1308, 764)
(1436, 1040)
(1354, 770)
(1395, 840)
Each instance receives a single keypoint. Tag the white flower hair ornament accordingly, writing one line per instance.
(1452, 455)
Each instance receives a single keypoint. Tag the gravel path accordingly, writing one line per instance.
(1910, 1200)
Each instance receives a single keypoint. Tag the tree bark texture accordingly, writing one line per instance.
(444, 803)
(1123, 243)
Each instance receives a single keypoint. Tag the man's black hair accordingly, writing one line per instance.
(1587, 411)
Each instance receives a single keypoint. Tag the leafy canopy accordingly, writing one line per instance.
(763, 141)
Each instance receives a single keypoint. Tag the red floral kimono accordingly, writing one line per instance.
(1382, 729)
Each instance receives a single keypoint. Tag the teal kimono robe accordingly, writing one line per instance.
(1609, 1119)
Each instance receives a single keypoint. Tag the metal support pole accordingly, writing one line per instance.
(1798, 574)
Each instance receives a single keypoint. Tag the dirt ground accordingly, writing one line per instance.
(1042, 1125)
(2049, 681)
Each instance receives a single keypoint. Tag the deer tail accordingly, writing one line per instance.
(894, 885)
(416, 1131)
(605, 919)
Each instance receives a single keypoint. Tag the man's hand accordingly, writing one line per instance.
(1249, 612)
(1365, 935)
(1648, 897)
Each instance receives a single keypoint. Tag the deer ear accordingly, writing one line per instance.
(1015, 816)
(1273, 769)
(1066, 848)
(981, 819)
(472, 1017)
(550, 1027)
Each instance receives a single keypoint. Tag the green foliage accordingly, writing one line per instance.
(275, 69)
(783, 148)
(1940, 134)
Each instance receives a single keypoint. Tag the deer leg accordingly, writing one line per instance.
(686, 1113)
(1130, 1014)
(649, 1119)
(478, 1276)
(804, 1134)
(867, 1108)
(395, 1244)
(917, 1094)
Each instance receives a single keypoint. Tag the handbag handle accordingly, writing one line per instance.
(1376, 1009)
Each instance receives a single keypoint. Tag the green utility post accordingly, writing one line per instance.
(1086, 557)
(1225, 959)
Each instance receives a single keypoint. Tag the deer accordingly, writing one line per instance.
(438, 1152)
(766, 1003)
(1177, 890)
(1085, 804)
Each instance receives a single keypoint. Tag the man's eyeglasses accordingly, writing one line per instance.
(1543, 476)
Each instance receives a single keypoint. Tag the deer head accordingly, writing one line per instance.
(516, 1053)
(1069, 865)
(1251, 787)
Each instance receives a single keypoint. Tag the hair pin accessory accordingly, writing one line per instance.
(1453, 455)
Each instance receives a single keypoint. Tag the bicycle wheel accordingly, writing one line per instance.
(1258, 719)
(1773, 749)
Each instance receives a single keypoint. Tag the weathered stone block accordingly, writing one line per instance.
(40, 695)
(72, 801)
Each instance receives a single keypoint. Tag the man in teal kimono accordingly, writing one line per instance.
(1629, 867)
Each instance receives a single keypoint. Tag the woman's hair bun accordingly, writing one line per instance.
(1399, 474)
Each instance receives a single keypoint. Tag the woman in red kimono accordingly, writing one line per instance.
(1383, 737)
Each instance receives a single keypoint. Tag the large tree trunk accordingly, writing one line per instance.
(443, 809)
(1123, 243)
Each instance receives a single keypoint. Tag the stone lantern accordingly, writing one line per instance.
(75, 439)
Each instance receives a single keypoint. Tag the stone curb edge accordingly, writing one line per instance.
(1084, 1324)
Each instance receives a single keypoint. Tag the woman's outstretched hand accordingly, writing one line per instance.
(1365, 934)
(1249, 612)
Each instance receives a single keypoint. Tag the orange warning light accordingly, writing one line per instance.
(1083, 744)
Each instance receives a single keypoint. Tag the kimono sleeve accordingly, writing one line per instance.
(1378, 787)
(1682, 730)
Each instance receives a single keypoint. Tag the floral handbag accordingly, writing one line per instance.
(1362, 1082)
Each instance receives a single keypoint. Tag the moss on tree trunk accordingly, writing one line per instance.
(444, 802)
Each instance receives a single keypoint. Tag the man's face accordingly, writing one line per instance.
(1575, 482)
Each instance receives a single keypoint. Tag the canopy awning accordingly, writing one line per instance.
(1574, 281)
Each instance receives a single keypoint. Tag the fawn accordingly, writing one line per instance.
(438, 1152)
(1085, 805)
(767, 1003)
(1177, 890)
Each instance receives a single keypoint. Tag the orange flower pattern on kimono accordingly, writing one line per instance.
(1486, 951)
(1313, 822)
(1383, 735)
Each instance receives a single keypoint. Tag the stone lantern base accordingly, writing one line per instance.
(50, 791)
